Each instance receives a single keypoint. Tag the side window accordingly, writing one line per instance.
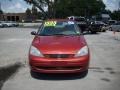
(118, 23)
(78, 29)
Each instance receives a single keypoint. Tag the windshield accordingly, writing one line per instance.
(99, 22)
(112, 22)
(59, 28)
(118, 23)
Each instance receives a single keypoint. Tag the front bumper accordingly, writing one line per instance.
(70, 65)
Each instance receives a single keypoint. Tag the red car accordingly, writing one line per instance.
(59, 47)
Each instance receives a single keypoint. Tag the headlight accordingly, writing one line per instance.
(35, 52)
(82, 52)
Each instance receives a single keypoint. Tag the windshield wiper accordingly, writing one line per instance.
(60, 34)
(45, 34)
(73, 34)
(67, 34)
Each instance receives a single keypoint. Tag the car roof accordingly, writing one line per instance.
(112, 20)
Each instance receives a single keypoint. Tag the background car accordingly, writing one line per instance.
(104, 28)
(115, 27)
(81, 21)
(14, 24)
(111, 22)
(9, 23)
(6, 24)
(1, 25)
(95, 26)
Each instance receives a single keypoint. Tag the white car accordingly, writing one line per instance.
(115, 27)
(1, 25)
(7, 23)
(111, 22)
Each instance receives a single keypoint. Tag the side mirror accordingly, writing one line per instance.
(33, 33)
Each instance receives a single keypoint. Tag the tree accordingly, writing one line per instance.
(116, 15)
(106, 12)
(80, 7)
(28, 14)
(42, 3)
(1, 12)
(1, 17)
(34, 13)
(63, 8)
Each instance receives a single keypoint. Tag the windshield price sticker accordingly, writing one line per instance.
(50, 23)
(70, 22)
(78, 32)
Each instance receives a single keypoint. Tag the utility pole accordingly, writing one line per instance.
(0, 6)
(0, 12)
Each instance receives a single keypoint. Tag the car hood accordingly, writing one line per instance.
(59, 44)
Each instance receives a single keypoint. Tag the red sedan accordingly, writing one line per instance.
(59, 47)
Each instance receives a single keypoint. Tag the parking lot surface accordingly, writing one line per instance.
(104, 70)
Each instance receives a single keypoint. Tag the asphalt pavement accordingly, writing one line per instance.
(103, 74)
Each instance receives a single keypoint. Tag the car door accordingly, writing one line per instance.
(115, 27)
(118, 26)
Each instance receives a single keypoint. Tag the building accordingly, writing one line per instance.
(18, 17)
(105, 17)
(102, 17)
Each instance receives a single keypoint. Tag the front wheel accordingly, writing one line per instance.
(93, 32)
(110, 29)
(83, 74)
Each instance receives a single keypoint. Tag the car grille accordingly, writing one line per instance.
(58, 55)
(59, 68)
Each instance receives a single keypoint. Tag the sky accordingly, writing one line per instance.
(112, 4)
(15, 6)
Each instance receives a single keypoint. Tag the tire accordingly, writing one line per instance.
(83, 74)
(104, 31)
(93, 32)
(110, 29)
